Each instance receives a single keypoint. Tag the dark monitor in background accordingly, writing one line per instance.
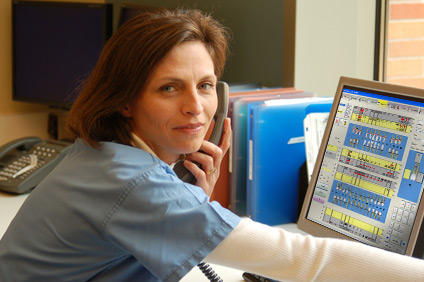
(55, 47)
(128, 11)
(368, 179)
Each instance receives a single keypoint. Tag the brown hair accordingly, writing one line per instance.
(127, 60)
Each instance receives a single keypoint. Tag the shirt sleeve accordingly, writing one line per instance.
(169, 226)
(278, 254)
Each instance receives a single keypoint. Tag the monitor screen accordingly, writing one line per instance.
(55, 47)
(367, 183)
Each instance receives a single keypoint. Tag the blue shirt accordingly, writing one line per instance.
(115, 214)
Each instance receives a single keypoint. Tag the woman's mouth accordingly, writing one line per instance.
(191, 129)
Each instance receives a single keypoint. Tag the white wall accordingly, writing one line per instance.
(333, 38)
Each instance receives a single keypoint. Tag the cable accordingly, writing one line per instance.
(209, 272)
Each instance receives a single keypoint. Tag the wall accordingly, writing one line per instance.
(333, 38)
(405, 58)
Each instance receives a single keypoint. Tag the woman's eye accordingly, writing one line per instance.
(206, 86)
(168, 88)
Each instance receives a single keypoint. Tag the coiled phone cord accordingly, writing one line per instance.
(209, 272)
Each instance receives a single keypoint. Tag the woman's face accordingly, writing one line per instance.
(174, 110)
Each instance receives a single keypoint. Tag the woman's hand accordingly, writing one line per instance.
(209, 157)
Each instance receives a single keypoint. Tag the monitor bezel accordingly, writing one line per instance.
(319, 230)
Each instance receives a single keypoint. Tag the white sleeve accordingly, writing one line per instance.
(285, 256)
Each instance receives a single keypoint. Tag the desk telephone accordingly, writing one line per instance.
(26, 161)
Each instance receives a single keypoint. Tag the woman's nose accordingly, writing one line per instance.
(191, 102)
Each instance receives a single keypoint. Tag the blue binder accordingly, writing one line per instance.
(276, 151)
(239, 118)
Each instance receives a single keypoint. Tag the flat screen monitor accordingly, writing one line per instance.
(368, 179)
(55, 47)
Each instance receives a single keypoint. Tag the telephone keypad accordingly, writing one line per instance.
(15, 167)
(25, 162)
(43, 154)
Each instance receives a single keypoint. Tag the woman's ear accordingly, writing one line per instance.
(126, 112)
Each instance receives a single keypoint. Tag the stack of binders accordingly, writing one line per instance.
(240, 118)
(224, 193)
(276, 152)
(259, 176)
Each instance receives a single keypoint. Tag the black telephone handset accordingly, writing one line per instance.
(26, 161)
(219, 118)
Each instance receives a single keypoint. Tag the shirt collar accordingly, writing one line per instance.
(139, 143)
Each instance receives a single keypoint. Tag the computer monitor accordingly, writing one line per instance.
(367, 183)
(55, 47)
(129, 11)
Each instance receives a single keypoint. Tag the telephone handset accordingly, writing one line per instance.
(219, 118)
(26, 161)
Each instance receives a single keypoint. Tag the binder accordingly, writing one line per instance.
(276, 151)
(221, 191)
(238, 173)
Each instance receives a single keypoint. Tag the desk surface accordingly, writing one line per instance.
(10, 204)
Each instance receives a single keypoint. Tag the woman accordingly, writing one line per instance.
(114, 210)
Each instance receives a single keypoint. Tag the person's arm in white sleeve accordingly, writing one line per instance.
(285, 256)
